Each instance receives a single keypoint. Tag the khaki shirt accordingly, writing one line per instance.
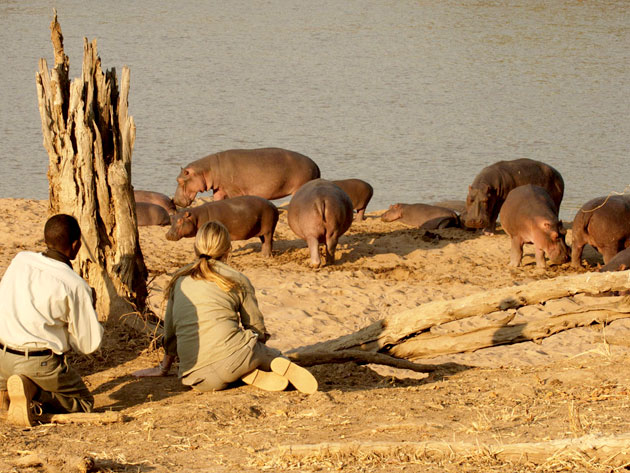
(204, 324)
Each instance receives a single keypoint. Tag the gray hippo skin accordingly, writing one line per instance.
(151, 214)
(529, 215)
(156, 198)
(603, 223)
(245, 217)
(492, 185)
(421, 215)
(320, 212)
(360, 193)
(271, 173)
(619, 262)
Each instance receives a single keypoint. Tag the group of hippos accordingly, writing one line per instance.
(524, 194)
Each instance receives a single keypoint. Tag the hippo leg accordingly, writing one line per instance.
(516, 253)
(608, 252)
(576, 254)
(313, 248)
(267, 243)
(331, 247)
(219, 195)
(540, 258)
(360, 216)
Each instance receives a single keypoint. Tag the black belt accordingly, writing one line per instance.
(43, 352)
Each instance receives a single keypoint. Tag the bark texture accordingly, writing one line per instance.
(89, 137)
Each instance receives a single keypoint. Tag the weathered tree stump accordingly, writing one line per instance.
(89, 137)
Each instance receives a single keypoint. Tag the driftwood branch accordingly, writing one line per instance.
(397, 328)
(57, 463)
(312, 358)
(613, 451)
(108, 417)
(427, 345)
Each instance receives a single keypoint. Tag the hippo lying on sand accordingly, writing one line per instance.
(603, 223)
(619, 262)
(529, 215)
(151, 214)
(492, 185)
(245, 217)
(156, 198)
(360, 193)
(270, 173)
(320, 212)
(421, 215)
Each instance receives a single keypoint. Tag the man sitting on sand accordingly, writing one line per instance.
(47, 309)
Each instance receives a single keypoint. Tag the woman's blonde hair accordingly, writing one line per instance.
(212, 243)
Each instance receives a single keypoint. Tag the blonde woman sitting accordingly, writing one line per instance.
(215, 328)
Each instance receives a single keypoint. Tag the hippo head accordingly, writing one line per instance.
(189, 182)
(394, 213)
(557, 250)
(479, 206)
(183, 226)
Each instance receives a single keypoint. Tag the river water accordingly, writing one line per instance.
(415, 97)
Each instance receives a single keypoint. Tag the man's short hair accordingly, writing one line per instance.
(61, 231)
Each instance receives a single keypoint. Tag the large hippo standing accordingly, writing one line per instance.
(151, 214)
(320, 212)
(271, 173)
(492, 185)
(603, 223)
(360, 193)
(529, 215)
(421, 215)
(156, 198)
(245, 217)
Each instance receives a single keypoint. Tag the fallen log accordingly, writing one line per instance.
(398, 327)
(611, 451)
(427, 345)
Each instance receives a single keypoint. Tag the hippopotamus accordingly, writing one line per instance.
(320, 212)
(360, 193)
(603, 223)
(245, 217)
(270, 173)
(529, 215)
(421, 215)
(157, 198)
(458, 206)
(151, 214)
(492, 185)
(619, 262)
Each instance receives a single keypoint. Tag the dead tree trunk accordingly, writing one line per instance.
(89, 138)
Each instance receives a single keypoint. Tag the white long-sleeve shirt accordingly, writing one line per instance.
(45, 304)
